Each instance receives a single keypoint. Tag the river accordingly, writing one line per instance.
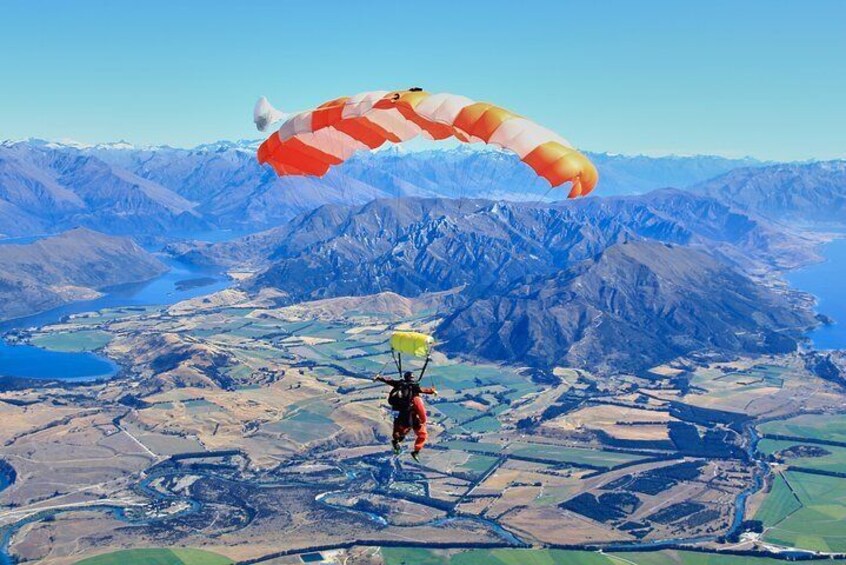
(7, 475)
(26, 361)
(825, 280)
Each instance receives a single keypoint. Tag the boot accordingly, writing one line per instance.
(397, 447)
(416, 456)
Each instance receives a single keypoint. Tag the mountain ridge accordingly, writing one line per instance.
(523, 258)
(74, 265)
(799, 193)
(661, 300)
(119, 188)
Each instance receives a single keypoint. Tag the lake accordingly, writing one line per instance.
(26, 361)
(827, 281)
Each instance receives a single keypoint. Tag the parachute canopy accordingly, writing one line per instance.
(310, 142)
(412, 343)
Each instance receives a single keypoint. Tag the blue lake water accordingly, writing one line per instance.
(26, 361)
(827, 281)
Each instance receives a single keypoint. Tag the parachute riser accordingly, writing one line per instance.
(423, 370)
(398, 362)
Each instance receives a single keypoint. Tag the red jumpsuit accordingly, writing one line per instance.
(417, 421)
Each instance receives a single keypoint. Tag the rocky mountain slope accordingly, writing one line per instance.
(603, 283)
(806, 193)
(44, 189)
(417, 245)
(635, 305)
(71, 266)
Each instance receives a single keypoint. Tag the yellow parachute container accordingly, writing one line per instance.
(412, 343)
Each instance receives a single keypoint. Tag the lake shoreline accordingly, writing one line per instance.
(25, 365)
(102, 293)
(816, 280)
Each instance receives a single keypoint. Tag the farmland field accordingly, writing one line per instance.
(818, 525)
(397, 556)
(831, 427)
(779, 504)
(834, 461)
(561, 454)
(550, 453)
(305, 426)
(478, 464)
(176, 556)
(85, 340)
(672, 557)
(401, 556)
(486, 424)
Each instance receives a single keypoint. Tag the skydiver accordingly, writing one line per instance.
(405, 399)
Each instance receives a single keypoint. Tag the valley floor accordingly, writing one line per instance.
(255, 431)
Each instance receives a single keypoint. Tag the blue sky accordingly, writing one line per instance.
(765, 78)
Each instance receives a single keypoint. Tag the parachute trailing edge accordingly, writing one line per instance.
(311, 142)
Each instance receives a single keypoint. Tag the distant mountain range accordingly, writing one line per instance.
(48, 187)
(73, 266)
(805, 194)
(526, 268)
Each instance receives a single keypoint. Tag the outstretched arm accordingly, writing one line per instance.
(392, 382)
(428, 390)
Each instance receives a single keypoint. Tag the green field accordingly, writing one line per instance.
(455, 411)
(482, 425)
(478, 464)
(560, 454)
(480, 447)
(779, 504)
(672, 557)
(254, 331)
(402, 556)
(176, 556)
(305, 425)
(85, 340)
(835, 461)
(108, 315)
(465, 377)
(830, 427)
(549, 453)
(820, 524)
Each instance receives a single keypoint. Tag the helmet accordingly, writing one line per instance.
(408, 376)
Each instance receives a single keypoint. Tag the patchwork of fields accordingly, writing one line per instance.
(248, 419)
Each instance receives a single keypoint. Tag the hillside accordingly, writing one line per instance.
(47, 189)
(806, 193)
(412, 246)
(537, 279)
(634, 306)
(72, 266)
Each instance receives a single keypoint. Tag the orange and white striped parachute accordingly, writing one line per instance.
(310, 142)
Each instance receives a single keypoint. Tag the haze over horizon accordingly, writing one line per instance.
(603, 76)
(415, 145)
